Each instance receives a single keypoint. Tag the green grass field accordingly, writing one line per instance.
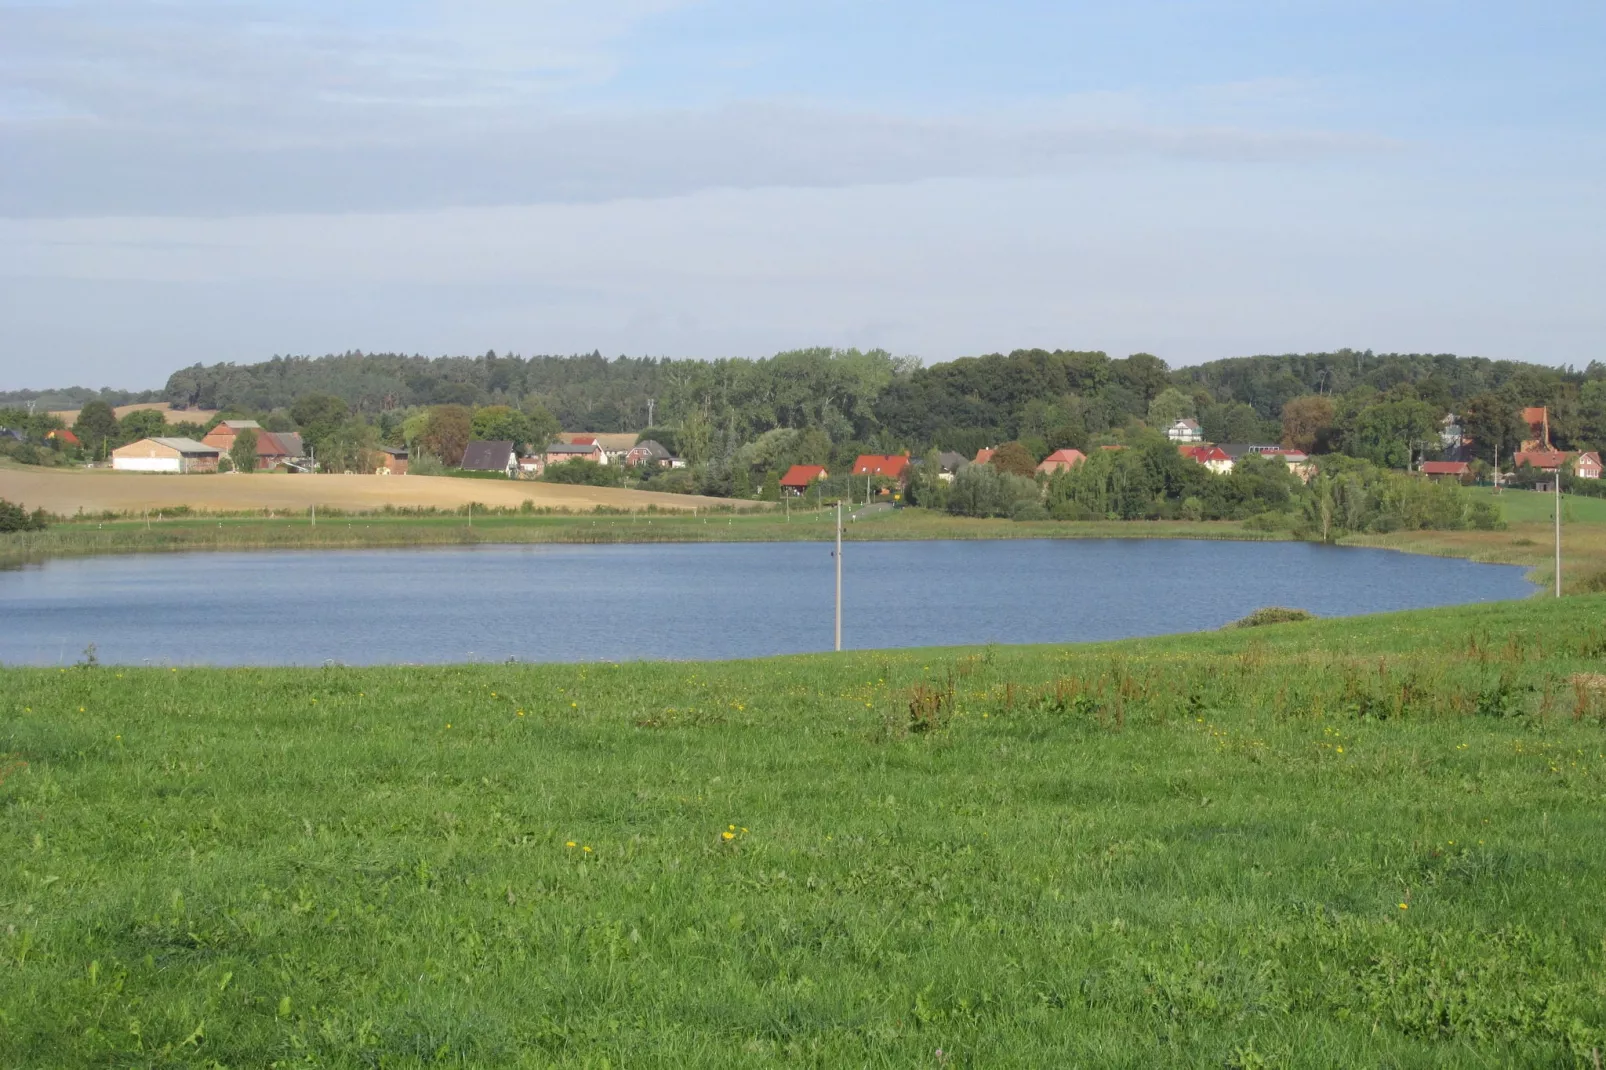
(1532, 507)
(1373, 842)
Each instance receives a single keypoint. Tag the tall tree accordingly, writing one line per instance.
(1308, 423)
(243, 450)
(96, 427)
(446, 435)
(1494, 423)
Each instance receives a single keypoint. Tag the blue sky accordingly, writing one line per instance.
(188, 181)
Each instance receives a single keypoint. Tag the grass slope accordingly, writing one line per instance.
(1356, 842)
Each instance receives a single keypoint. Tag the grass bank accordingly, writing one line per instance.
(82, 537)
(1358, 842)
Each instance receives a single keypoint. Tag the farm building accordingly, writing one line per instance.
(64, 436)
(800, 477)
(274, 448)
(559, 452)
(491, 457)
(222, 436)
(1061, 461)
(170, 455)
(395, 461)
(1457, 470)
(1587, 466)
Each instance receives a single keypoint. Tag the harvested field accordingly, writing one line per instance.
(173, 416)
(67, 491)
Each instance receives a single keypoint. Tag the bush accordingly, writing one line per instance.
(1272, 615)
(1069, 510)
(984, 490)
(1029, 511)
(1270, 522)
(14, 518)
(581, 472)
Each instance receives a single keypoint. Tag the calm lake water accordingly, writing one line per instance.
(586, 603)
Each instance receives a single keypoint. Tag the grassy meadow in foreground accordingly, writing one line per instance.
(1355, 842)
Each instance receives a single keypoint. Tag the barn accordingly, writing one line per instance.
(172, 455)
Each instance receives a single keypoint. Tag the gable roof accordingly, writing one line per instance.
(574, 449)
(487, 457)
(801, 475)
(1206, 454)
(651, 448)
(1445, 468)
(237, 425)
(949, 461)
(984, 455)
(1544, 459)
(188, 445)
(64, 435)
(1062, 459)
(1189, 423)
(876, 464)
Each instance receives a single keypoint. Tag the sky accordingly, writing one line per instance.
(189, 181)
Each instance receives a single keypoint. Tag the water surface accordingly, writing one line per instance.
(692, 600)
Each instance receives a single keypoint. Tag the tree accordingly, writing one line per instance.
(1308, 423)
(318, 415)
(96, 426)
(499, 423)
(1393, 434)
(15, 518)
(696, 438)
(1169, 406)
(142, 423)
(447, 433)
(771, 491)
(1013, 458)
(542, 427)
(243, 451)
(1494, 424)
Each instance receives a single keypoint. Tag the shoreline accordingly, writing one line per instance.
(1526, 544)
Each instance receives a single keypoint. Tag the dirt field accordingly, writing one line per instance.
(174, 416)
(66, 491)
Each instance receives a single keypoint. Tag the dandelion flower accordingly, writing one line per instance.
(570, 843)
(1405, 906)
(587, 850)
(728, 835)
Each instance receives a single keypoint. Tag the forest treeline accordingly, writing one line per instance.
(1052, 399)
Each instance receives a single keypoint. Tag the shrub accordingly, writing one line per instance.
(1272, 615)
(984, 490)
(1029, 510)
(14, 517)
(582, 472)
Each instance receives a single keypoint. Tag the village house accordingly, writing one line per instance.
(893, 466)
(948, 465)
(491, 457)
(1460, 471)
(1587, 466)
(1061, 461)
(984, 455)
(274, 448)
(649, 453)
(560, 452)
(1541, 460)
(222, 436)
(800, 477)
(169, 455)
(1214, 458)
(1185, 432)
(64, 436)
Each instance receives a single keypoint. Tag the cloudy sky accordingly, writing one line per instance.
(206, 180)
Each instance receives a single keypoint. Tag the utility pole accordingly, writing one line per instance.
(1559, 466)
(839, 577)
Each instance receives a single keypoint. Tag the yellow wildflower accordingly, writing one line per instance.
(728, 835)
(571, 843)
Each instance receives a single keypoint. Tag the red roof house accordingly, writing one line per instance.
(984, 455)
(1212, 457)
(1538, 421)
(1446, 469)
(875, 464)
(1587, 466)
(1061, 461)
(800, 477)
(61, 434)
(1544, 460)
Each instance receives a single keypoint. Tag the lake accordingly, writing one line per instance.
(692, 600)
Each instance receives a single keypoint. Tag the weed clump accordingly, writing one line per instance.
(1271, 615)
